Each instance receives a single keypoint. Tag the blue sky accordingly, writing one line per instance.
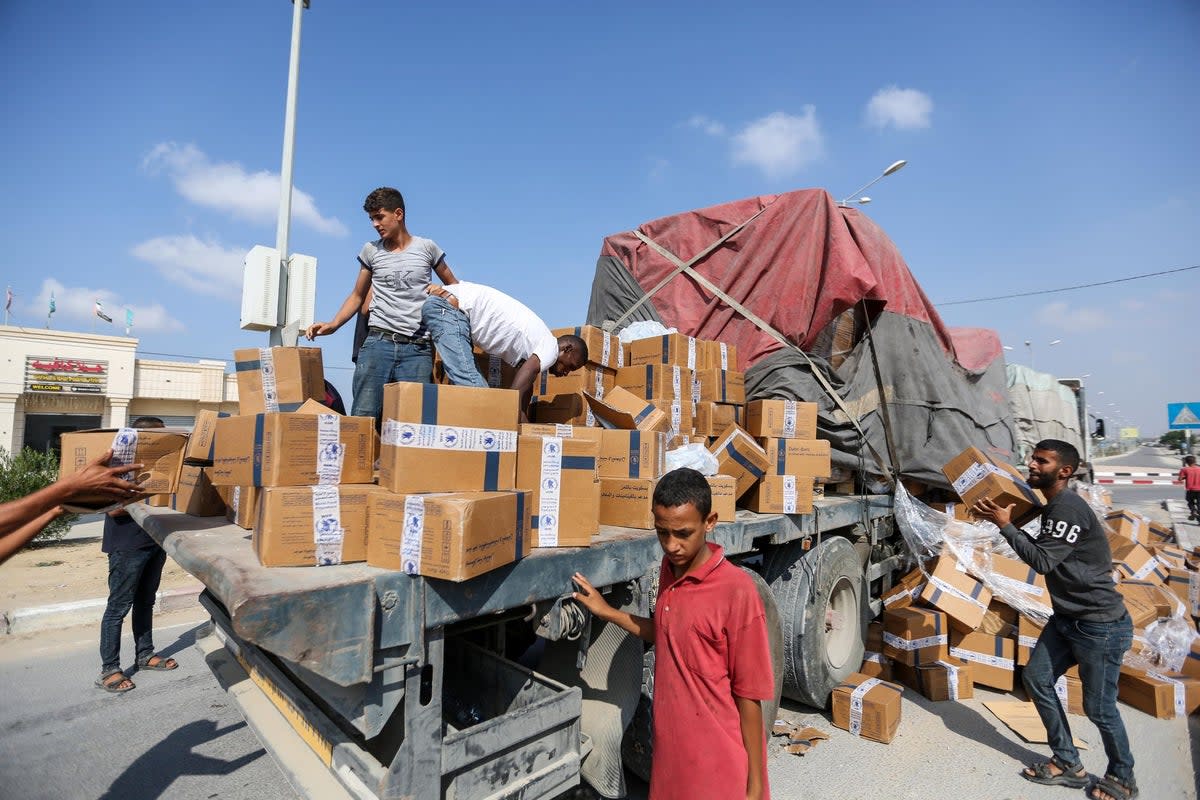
(1049, 145)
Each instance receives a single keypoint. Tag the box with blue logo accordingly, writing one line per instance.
(293, 449)
(562, 476)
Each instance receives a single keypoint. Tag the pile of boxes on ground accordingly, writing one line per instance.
(461, 487)
(970, 617)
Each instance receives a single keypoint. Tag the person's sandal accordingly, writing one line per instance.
(114, 686)
(1115, 788)
(161, 665)
(1072, 775)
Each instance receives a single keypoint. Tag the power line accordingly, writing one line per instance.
(208, 358)
(1069, 288)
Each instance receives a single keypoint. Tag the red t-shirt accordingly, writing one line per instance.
(710, 643)
(1191, 478)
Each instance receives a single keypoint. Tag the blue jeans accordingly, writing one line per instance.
(1097, 647)
(451, 332)
(382, 361)
(133, 577)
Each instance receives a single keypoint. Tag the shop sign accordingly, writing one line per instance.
(65, 375)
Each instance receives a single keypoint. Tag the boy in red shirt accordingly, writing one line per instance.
(712, 666)
(1190, 475)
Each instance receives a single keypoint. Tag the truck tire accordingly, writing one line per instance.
(637, 748)
(822, 602)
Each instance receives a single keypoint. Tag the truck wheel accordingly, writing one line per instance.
(637, 748)
(822, 599)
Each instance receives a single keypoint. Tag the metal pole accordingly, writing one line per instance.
(285, 176)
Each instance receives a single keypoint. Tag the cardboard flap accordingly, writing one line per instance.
(624, 410)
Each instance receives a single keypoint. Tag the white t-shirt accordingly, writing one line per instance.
(504, 327)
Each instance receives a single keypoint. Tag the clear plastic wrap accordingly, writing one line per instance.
(1164, 645)
(695, 456)
(642, 330)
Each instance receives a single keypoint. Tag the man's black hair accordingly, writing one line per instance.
(385, 198)
(148, 422)
(1068, 456)
(578, 343)
(1189, 460)
(682, 486)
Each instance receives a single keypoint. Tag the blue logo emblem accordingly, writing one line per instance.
(408, 434)
(490, 440)
(550, 484)
(547, 521)
(449, 438)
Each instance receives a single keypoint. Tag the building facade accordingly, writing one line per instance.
(52, 382)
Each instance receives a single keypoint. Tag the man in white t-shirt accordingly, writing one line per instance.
(465, 313)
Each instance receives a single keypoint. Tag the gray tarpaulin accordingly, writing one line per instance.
(1042, 408)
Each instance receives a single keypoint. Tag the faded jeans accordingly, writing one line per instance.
(133, 577)
(382, 361)
(1097, 647)
(451, 332)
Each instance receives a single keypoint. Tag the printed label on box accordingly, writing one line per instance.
(550, 490)
(266, 363)
(328, 534)
(447, 437)
(330, 450)
(856, 703)
(414, 531)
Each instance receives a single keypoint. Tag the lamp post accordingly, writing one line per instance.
(894, 167)
(1029, 344)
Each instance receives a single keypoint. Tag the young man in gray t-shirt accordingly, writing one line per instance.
(395, 269)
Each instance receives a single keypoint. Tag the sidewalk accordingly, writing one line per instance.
(65, 583)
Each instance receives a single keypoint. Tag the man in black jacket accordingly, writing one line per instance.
(1090, 626)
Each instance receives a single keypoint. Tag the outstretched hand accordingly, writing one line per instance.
(99, 478)
(319, 329)
(993, 511)
(589, 597)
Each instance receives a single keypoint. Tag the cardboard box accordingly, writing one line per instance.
(241, 505)
(561, 409)
(199, 448)
(975, 476)
(1185, 585)
(1127, 525)
(632, 454)
(905, 591)
(1170, 556)
(709, 419)
(563, 480)
(627, 502)
(291, 376)
(604, 349)
(565, 431)
(797, 457)
(952, 590)
(781, 494)
(622, 410)
(1134, 562)
(159, 451)
(1157, 533)
(596, 380)
(1191, 662)
(453, 536)
(679, 414)
(781, 419)
(1147, 594)
(1070, 694)
(1000, 619)
(724, 496)
(949, 679)
(495, 371)
(992, 658)
(307, 526)
(670, 348)
(720, 386)
(915, 636)
(867, 707)
(719, 355)
(448, 438)
(196, 495)
(291, 449)
(656, 381)
(1028, 633)
(1018, 584)
(876, 665)
(740, 456)
(1166, 695)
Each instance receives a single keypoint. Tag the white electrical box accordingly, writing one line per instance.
(261, 279)
(301, 291)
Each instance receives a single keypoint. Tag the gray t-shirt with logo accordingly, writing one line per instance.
(399, 278)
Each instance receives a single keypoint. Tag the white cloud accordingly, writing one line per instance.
(79, 303)
(205, 267)
(658, 168)
(230, 188)
(905, 109)
(710, 126)
(780, 144)
(1062, 316)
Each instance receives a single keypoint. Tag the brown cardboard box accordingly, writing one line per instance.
(867, 707)
(740, 456)
(561, 409)
(914, 635)
(447, 438)
(948, 679)
(623, 410)
(656, 381)
(306, 526)
(1028, 632)
(292, 449)
(709, 419)
(494, 371)
(1165, 695)
(1134, 562)
(199, 448)
(991, 657)
(453, 536)
(1019, 583)
(1070, 694)
(563, 480)
(1158, 533)
(671, 348)
(1147, 593)
(1127, 525)
(781, 494)
(294, 375)
(719, 355)
(596, 380)
(975, 476)
(781, 419)
(632, 454)
(876, 665)
(797, 457)
(679, 414)
(1185, 585)
(604, 349)
(720, 386)
(1191, 662)
(952, 590)
(196, 495)
(159, 451)
(1171, 556)
(241, 505)
(160, 500)
(1000, 619)
(565, 431)
(627, 502)
(905, 591)
(724, 500)
(874, 640)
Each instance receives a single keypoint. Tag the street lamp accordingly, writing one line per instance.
(1029, 344)
(895, 166)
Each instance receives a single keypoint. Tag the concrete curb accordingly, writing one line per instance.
(88, 612)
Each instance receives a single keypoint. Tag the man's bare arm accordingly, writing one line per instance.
(350, 307)
(96, 478)
(523, 382)
(11, 543)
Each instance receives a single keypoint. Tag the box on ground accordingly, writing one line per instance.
(781, 419)
(797, 457)
(453, 536)
(740, 456)
(992, 657)
(627, 502)
(724, 499)
(290, 449)
(195, 494)
(975, 476)
(915, 636)
(307, 526)
(781, 494)
(1165, 695)
(948, 679)
(1134, 562)
(159, 451)
(1185, 585)
(563, 479)
(952, 590)
(604, 349)
(272, 379)
(1127, 525)
(447, 438)
(621, 409)
(867, 707)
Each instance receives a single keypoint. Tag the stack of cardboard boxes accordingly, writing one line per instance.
(786, 431)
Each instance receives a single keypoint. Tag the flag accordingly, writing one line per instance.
(53, 307)
(100, 312)
(128, 320)
(8, 301)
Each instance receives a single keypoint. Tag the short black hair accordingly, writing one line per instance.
(682, 486)
(1189, 459)
(385, 198)
(148, 422)
(1068, 456)
(578, 343)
